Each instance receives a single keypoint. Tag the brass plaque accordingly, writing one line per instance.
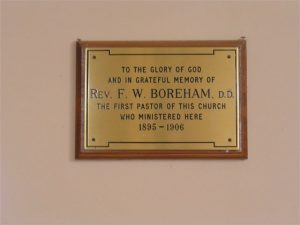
(161, 99)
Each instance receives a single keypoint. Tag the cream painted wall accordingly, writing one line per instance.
(41, 183)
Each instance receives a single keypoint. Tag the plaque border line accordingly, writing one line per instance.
(226, 153)
(159, 142)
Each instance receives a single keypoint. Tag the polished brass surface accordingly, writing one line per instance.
(161, 98)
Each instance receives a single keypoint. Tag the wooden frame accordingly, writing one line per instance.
(82, 153)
